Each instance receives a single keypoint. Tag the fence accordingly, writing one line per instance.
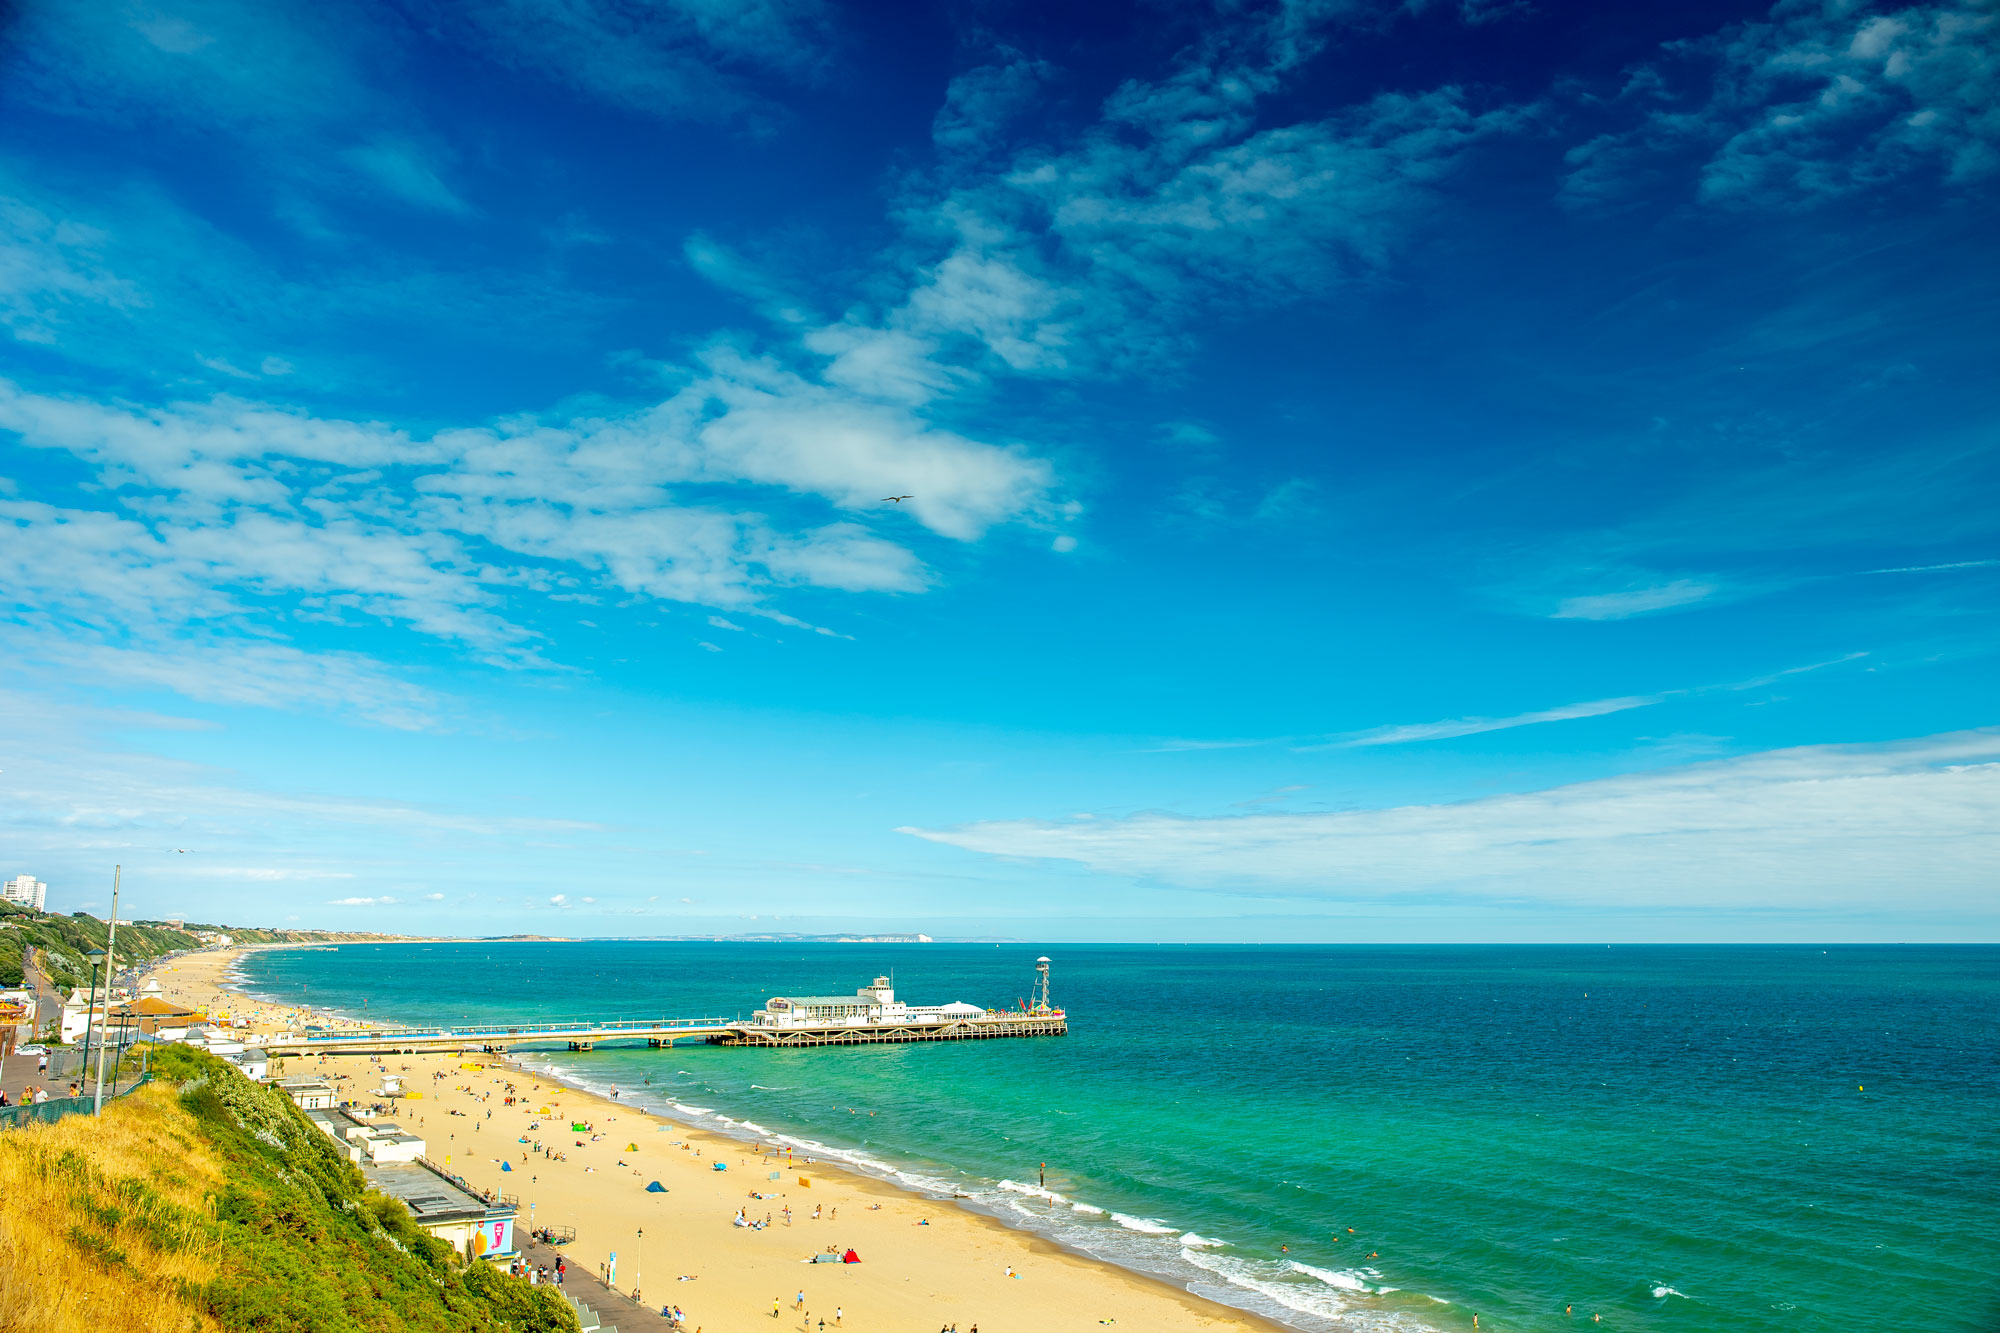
(48, 1112)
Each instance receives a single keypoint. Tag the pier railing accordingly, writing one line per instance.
(499, 1031)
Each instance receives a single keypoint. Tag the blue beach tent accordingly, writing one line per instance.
(506, 1166)
(656, 1188)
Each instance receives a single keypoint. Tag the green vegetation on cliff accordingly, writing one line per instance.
(208, 1202)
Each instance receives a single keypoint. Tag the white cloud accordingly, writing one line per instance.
(558, 900)
(241, 516)
(1633, 602)
(358, 902)
(1914, 822)
(434, 897)
(980, 104)
(1816, 101)
(47, 266)
(590, 900)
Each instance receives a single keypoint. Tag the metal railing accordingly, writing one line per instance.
(58, 1108)
(518, 1031)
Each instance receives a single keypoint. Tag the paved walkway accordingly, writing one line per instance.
(611, 1306)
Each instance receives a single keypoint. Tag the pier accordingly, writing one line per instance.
(871, 1016)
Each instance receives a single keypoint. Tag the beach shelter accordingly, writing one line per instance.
(805, 1182)
(631, 1147)
(506, 1166)
(850, 1258)
(656, 1188)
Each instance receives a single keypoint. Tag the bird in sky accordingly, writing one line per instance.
(182, 850)
(897, 499)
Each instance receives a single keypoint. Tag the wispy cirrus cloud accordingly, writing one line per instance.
(1633, 601)
(1473, 726)
(1453, 728)
(1800, 828)
(683, 59)
(1936, 569)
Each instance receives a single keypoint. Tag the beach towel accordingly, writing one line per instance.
(656, 1188)
(777, 1175)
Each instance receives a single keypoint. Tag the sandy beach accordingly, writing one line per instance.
(925, 1263)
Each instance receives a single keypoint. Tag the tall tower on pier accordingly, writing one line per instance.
(1042, 983)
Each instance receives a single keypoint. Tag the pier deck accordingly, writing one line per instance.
(587, 1034)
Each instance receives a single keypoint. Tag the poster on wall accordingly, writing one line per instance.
(497, 1235)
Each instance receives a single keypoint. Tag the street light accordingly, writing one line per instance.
(96, 957)
(639, 1264)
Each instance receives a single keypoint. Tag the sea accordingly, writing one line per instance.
(1356, 1138)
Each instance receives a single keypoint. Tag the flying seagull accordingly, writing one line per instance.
(896, 499)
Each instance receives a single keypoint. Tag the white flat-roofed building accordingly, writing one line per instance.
(870, 1005)
(309, 1094)
(25, 890)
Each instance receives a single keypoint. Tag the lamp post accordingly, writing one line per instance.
(110, 963)
(639, 1264)
(96, 957)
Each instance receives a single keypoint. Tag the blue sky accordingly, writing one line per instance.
(1425, 471)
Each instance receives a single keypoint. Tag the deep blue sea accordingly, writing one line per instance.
(1677, 1138)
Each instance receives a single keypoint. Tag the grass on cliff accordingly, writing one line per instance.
(207, 1202)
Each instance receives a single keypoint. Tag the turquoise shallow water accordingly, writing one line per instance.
(1677, 1138)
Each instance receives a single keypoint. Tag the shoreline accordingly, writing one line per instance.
(1020, 1278)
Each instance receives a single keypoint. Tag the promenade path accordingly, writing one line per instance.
(614, 1308)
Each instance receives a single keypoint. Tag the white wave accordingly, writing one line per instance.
(765, 1087)
(1146, 1226)
(1310, 1298)
(1033, 1191)
(685, 1109)
(754, 1127)
(1348, 1281)
(1661, 1293)
(1194, 1242)
(1088, 1209)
